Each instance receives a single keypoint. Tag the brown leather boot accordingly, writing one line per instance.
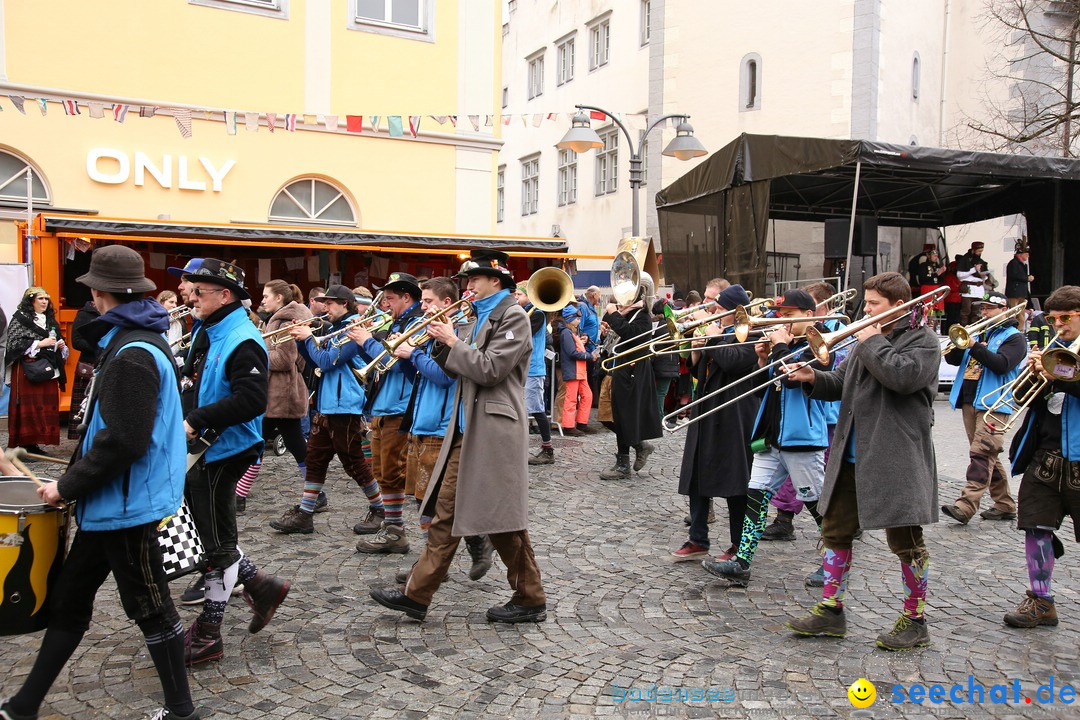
(202, 643)
(1032, 612)
(263, 593)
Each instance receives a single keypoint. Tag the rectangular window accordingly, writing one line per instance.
(565, 61)
(500, 194)
(607, 162)
(268, 8)
(536, 76)
(567, 177)
(646, 21)
(402, 18)
(599, 43)
(530, 185)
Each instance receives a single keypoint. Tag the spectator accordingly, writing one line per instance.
(972, 273)
(953, 300)
(35, 357)
(1018, 279)
(572, 354)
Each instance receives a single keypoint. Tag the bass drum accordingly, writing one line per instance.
(33, 544)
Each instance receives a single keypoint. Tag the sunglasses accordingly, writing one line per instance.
(1064, 318)
(199, 292)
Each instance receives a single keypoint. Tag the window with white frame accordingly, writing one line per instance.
(564, 61)
(267, 8)
(402, 18)
(536, 75)
(530, 185)
(13, 181)
(500, 194)
(750, 82)
(607, 162)
(599, 43)
(646, 21)
(311, 200)
(915, 76)
(567, 182)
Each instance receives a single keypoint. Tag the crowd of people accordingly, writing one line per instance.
(410, 389)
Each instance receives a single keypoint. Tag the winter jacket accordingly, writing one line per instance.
(288, 396)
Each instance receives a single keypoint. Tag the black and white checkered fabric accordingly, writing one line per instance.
(181, 548)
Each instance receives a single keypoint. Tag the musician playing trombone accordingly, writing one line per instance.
(1047, 451)
(990, 363)
(789, 438)
(881, 471)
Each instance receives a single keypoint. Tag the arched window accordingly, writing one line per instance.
(750, 82)
(311, 200)
(915, 77)
(13, 180)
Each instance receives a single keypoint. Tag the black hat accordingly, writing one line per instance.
(220, 273)
(732, 296)
(403, 282)
(116, 269)
(492, 263)
(339, 293)
(993, 298)
(192, 265)
(796, 299)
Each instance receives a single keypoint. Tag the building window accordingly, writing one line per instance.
(310, 200)
(567, 177)
(646, 21)
(536, 76)
(266, 8)
(750, 82)
(530, 185)
(500, 194)
(564, 61)
(599, 43)
(915, 72)
(607, 162)
(643, 143)
(505, 96)
(13, 181)
(402, 18)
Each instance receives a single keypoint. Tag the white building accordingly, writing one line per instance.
(898, 71)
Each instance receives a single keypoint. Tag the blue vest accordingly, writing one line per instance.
(155, 482)
(1070, 429)
(339, 392)
(537, 366)
(988, 381)
(803, 422)
(434, 397)
(214, 385)
(395, 386)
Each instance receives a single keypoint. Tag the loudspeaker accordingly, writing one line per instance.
(864, 242)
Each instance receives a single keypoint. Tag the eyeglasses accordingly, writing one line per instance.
(1064, 318)
(199, 292)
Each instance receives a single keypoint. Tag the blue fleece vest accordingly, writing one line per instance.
(988, 381)
(803, 422)
(225, 337)
(1070, 428)
(537, 366)
(434, 397)
(339, 392)
(395, 386)
(156, 480)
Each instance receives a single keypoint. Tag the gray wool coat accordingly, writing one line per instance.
(886, 389)
(493, 474)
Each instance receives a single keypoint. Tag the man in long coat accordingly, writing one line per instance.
(482, 475)
(716, 458)
(882, 472)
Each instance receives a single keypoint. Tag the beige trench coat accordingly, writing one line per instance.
(493, 474)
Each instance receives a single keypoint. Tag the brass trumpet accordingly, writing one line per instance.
(961, 338)
(339, 337)
(180, 311)
(452, 313)
(281, 335)
(182, 344)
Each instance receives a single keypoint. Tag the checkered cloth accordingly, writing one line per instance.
(181, 548)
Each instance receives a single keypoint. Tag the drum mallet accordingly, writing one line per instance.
(13, 456)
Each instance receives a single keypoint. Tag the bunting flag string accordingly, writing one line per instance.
(230, 122)
(374, 123)
(17, 101)
(119, 112)
(290, 122)
(182, 116)
(71, 107)
(251, 121)
(354, 123)
(414, 124)
(43, 105)
(393, 123)
(97, 109)
(271, 121)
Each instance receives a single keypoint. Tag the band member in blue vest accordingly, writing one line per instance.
(985, 368)
(1047, 450)
(224, 383)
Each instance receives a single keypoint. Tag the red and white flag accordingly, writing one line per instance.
(290, 122)
(120, 111)
(182, 116)
(414, 124)
(271, 121)
(71, 107)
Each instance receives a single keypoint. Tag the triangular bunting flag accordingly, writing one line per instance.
(375, 123)
(553, 116)
(230, 122)
(251, 121)
(97, 109)
(414, 124)
(354, 123)
(487, 121)
(119, 112)
(71, 107)
(271, 121)
(43, 105)
(290, 122)
(524, 120)
(393, 122)
(475, 120)
(182, 116)
(537, 119)
(453, 120)
(441, 119)
(17, 101)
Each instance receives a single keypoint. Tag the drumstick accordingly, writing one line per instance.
(25, 470)
(45, 458)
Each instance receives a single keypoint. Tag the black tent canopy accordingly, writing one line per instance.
(714, 219)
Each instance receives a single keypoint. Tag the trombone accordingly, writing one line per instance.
(744, 323)
(453, 313)
(281, 335)
(1058, 363)
(961, 338)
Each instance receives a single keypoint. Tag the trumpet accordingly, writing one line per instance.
(1057, 363)
(339, 337)
(182, 344)
(281, 335)
(180, 311)
(453, 313)
(961, 338)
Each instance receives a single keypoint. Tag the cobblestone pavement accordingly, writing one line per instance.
(620, 614)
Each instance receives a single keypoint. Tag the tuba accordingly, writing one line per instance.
(550, 289)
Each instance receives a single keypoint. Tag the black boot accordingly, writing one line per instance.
(621, 469)
(482, 553)
(642, 452)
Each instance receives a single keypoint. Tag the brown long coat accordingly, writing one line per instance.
(493, 475)
(288, 395)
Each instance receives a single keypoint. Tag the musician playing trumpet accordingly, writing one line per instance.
(1047, 450)
(985, 367)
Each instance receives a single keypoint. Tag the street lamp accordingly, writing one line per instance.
(581, 138)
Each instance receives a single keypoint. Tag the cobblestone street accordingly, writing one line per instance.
(621, 617)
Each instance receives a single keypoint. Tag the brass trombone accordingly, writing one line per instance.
(1058, 363)
(961, 337)
(744, 323)
(281, 335)
(453, 313)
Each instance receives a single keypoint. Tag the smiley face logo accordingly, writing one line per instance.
(862, 693)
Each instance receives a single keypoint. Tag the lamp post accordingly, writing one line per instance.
(581, 138)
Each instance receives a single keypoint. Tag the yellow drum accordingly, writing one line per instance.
(33, 542)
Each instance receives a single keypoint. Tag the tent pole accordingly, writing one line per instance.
(851, 225)
(1057, 252)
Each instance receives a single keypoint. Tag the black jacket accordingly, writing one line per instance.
(1016, 280)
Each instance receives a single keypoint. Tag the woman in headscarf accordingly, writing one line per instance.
(34, 339)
